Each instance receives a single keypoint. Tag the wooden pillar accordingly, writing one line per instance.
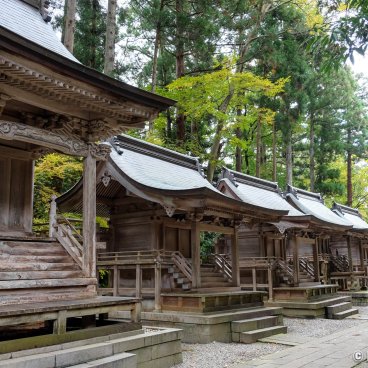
(138, 281)
(350, 258)
(52, 216)
(235, 258)
(196, 254)
(89, 216)
(316, 260)
(270, 283)
(295, 246)
(361, 254)
(116, 281)
(158, 287)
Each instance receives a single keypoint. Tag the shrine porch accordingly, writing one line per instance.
(318, 301)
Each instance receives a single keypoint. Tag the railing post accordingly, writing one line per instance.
(235, 269)
(254, 279)
(52, 216)
(116, 280)
(270, 284)
(157, 287)
(138, 281)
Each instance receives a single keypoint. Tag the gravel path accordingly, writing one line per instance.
(221, 355)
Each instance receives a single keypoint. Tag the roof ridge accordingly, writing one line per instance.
(238, 177)
(344, 208)
(305, 193)
(137, 145)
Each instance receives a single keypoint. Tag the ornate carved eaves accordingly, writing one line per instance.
(55, 141)
(3, 99)
(116, 112)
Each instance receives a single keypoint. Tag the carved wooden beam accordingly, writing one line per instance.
(72, 146)
(3, 99)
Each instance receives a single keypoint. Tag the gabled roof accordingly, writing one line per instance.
(168, 178)
(352, 215)
(25, 20)
(257, 191)
(312, 204)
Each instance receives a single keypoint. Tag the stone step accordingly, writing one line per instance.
(252, 336)
(337, 308)
(346, 313)
(254, 323)
(123, 360)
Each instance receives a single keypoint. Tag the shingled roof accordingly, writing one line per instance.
(257, 191)
(352, 215)
(168, 178)
(25, 20)
(312, 204)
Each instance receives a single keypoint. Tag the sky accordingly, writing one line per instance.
(360, 64)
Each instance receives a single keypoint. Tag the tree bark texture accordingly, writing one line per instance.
(110, 37)
(311, 155)
(69, 24)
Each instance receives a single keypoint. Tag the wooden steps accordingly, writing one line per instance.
(40, 271)
(262, 323)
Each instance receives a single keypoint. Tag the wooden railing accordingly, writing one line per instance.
(141, 257)
(259, 264)
(64, 235)
(223, 265)
(340, 263)
(307, 266)
(285, 268)
(183, 265)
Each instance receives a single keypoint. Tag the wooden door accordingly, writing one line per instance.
(16, 196)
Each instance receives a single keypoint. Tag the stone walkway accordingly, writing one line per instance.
(346, 348)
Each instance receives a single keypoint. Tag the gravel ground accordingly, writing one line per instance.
(221, 355)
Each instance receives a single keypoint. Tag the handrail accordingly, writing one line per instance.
(251, 262)
(305, 264)
(340, 262)
(60, 219)
(134, 257)
(223, 265)
(183, 264)
(284, 267)
(65, 237)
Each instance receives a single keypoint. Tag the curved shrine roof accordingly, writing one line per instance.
(312, 204)
(352, 215)
(257, 191)
(26, 21)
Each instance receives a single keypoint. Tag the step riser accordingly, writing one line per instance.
(341, 307)
(254, 324)
(344, 314)
(251, 337)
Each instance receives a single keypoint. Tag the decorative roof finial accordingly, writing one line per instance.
(44, 10)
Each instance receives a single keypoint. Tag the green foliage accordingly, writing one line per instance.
(54, 174)
(208, 241)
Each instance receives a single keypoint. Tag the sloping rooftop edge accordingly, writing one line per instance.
(14, 43)
(235, 176)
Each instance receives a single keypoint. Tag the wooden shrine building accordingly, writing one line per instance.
(158, 202)
(286, 257)
(349, 252)
(49, 102)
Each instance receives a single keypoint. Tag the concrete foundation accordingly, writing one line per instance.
(207, 327)
(156, 347)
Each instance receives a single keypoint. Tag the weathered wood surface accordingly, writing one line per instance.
(59, 311)
(40, 271)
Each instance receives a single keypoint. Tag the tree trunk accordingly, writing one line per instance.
(69, 24)
(311, 155)
(238, 152)
(179, 55)
(258, 147)
(110, 38)
(274, 162)
(155, 56)
(349, 167)
(92, 62)
(216, 145)
(289, 157)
